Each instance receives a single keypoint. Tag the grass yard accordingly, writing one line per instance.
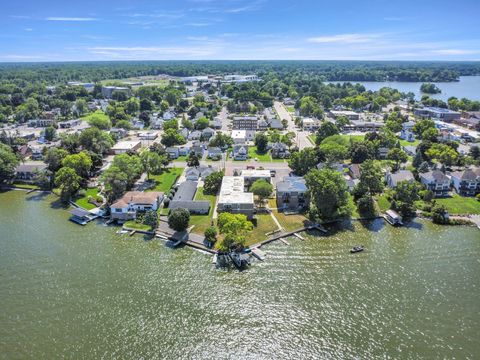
(291, 108)
(408, 143)
(459, 205)
(354, 137)
(265, 224)
(252, 153)
(383, 203)
(202, 222)
(312, 138)
(134, 225)
(290, 222)
(165, 180)
(182, 158)
(83, 201)
(21, 185)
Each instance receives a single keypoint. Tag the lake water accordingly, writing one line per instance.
(468, 87)
(85, 292)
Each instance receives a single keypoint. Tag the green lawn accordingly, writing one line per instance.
(459, 205)
(134, 225)
(290, 222)
(202, 222)
(383, 203)
(408, 143)
(265, 224)
(354, 137)
(181, 158)
(252, 153)
(21, 185)
(312, 138)
(291, 108)
(165, 180)
(83, 201)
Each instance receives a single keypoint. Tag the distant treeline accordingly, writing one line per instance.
(22, 74)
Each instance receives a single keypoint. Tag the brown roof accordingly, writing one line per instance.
(137, 197)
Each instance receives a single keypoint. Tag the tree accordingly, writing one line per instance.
(221, 140)
(193, 160)
(211, 234)
(475, 152)
(146, 105)
(235, 228)
(440, 214)
(261, 188)
(178, 219)
(303, 161)
(132, 105)
(201, 123)
(171, 137)
(261, 142)
(50, 133)
(99, 120)
(371, 177)
(68, 181)
(334, 148)
(115, 182)
(145, 118)
(398, 156)
(421, 126)
(81, 163)
(150, 218)
(328, 193)
(443, 153)
(130, 165)
(404, 196)
(325, 130)
(417, 160)
(54, 158)
(361, 151)
(212, 183)
(285, 123)
(96, 140)
(366, 206)
(170, 124)
(152, 163)
(8, 163)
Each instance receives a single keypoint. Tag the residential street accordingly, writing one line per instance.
(301, 139)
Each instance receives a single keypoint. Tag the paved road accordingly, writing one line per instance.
(301, 140)
(224, 116)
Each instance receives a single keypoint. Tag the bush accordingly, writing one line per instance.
(82, 192)
(211, 234)
(178, 219)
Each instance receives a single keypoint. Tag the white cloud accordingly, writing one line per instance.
(28, 29)
(344, 38)
(58, 18)
(455, 52)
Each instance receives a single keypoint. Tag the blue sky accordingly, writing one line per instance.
(239, 29)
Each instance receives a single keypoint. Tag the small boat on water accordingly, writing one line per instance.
(357, 249)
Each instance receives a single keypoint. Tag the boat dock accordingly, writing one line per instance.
(81, 216)
(259, 254)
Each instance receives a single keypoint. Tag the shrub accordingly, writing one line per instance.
(178, 219)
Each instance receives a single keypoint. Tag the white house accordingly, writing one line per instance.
(124, 146)
(128, 205)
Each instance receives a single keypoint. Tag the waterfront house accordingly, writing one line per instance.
(184, 199)
(233, 197)
(128, 205)
(125, 146)
(437, 182)
(466, 182)
(28, 171)
(392, 179)
(291, 194)
(172, 152)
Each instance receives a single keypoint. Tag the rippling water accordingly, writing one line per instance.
(86, 292)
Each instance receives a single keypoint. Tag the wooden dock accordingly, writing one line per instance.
(284, 241)
(259, 254)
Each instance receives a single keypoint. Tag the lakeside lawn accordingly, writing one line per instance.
(134, 225)
(83, 201)
(166, 179)
(21, 185)
(202, 222)
(353, 137)
(265, 224)
(383, 203)
(290, 222)
(459, 205)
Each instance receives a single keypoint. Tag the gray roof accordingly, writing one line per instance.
(186, 191)
(292, 183)
(467, 174)
(276, 124)
(79, 212)
(190, 205)
(435, 175)
(401, 175)
(31, 167)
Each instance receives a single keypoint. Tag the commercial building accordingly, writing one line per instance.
(124, 146)
(436, 113)
(245, 123)
(350, 115)
(107, 91)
